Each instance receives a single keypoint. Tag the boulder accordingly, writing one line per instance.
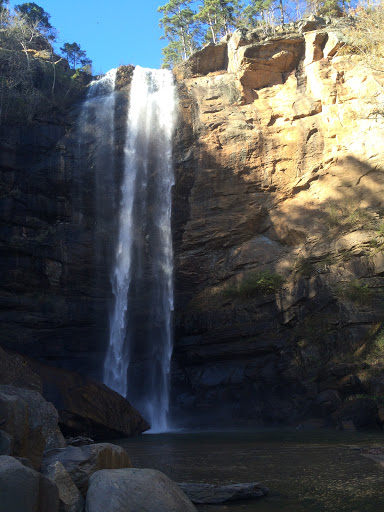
(208, 493)
(87, 408)
(129, 490)
(70, 498)
(24, 490)
(31, 421)
(212, 57)
(82, 461)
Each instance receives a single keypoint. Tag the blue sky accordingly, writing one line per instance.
(112, 32)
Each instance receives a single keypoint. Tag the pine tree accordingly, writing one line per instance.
(75, 55)
(179, 29)
(219, 16)
(255, 11)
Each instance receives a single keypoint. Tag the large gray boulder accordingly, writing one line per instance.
(70, 498)
(135, 490)
(82, 461)
(31, 421)
(23, 489)
(211, 494)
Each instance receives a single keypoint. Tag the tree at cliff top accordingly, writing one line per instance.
(36, 16)
(179, 29)
(32, 78)
(75, 55)
(217, 17)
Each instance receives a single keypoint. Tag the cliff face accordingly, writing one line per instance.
(280, 176)
(278, 232)
(55, 288)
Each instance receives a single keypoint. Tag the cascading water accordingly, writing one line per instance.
(137, 363)
(96, 138)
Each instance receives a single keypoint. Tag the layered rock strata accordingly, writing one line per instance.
(279, 176)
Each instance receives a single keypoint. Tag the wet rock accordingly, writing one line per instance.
(70, 498)
(82, 461)
(127, 490)
(31, 421)
(208, 493)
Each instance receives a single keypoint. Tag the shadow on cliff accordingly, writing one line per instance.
(269, 357)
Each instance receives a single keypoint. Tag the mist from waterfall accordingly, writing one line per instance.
(137, 363)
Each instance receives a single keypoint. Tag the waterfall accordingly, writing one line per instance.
(96, 140)
(137, 363)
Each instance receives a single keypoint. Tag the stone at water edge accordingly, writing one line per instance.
(82, 461)
(211, 494)
(133, 490)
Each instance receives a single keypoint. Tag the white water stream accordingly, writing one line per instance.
(137, 363)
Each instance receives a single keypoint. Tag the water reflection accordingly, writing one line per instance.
(306, 471)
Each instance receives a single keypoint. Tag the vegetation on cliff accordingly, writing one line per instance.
(34, 80)
(188, 26)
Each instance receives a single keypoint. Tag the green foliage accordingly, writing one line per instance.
(75, 55)
(304, 267)
(34, 14)
(179, 29)
(333, 8)
(255, 283)
(255, 10)
(355, 291)
(172, 54)
(219, 16)
(29, 86)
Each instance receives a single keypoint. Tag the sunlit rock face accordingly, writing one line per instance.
(279, 168)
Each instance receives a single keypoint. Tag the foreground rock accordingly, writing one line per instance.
(70, 498)
(208, 493)
(82, 461)
(132, 490)
(30, 421)
(24, 490)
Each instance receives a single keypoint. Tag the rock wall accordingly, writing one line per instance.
(56, 248)
(280, 175)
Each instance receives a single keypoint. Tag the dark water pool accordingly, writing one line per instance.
(306, 471)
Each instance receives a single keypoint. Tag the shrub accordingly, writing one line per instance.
(366, 36)
(304, 267)
(355, 291)
(254, 284)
